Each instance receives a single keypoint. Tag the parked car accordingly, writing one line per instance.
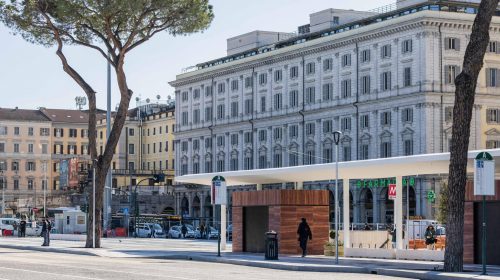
(143, 230)
(191, 231)
(33, 229)
(159, 232)
(8, 224)
(213, 233)
(175, 232)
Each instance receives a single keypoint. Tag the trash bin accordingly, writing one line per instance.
(271, 245)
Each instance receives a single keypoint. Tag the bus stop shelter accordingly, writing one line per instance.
(395, 167)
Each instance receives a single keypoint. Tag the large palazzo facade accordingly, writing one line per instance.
(385, 80)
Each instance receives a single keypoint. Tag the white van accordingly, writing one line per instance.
(8, 224)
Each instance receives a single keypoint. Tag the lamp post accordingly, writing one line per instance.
(44, 186)
(336, 139)
(3, 190)
(93, 202)
(136, 205)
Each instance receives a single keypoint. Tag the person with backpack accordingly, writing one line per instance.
(430, 237)
(305, 234)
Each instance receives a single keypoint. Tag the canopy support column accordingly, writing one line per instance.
(347, 239)
(299, 185)
(398, 212)
(259, 187)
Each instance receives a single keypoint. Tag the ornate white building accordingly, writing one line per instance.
(385, 80)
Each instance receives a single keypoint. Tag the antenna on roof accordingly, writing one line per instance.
(80, 102)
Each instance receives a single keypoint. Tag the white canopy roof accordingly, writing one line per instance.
(425, 164)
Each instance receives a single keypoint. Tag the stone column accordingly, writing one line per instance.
(190, 206)
(299, 185)
(202, 204)
(259, 187)
(376, 206)
(398, 212)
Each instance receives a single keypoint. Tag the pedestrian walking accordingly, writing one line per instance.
(184, 230)
(202, 231)
(305, 234)
(430, 237)
(22, 228)
(393, 233)
(209, 231)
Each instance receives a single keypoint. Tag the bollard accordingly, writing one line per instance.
(218, 246)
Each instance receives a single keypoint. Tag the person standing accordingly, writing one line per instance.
(202, 231)
(22, 228)
(305, 234)
(430, 237)
(184, 230)
(44, 232)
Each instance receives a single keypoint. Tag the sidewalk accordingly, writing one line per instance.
(206, 251)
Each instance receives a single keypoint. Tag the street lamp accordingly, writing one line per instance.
(94, 163)
(44, 186)
(3, 190)
(336, 139)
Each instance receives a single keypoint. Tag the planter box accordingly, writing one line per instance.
(370, 253)
(420, 255)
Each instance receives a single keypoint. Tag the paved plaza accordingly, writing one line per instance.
(201, 254)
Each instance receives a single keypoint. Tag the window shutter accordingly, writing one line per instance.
(488, 77)
(389, 50)
(497, 72)
(497, 51)
(382, 81)
(457, 44)
(389, 76)
(446, 43)
(411, 46)
(342, 89)
(447, 74)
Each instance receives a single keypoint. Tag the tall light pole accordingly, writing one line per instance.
(44, 185)
(93, 202)
(336, 139)
(3, 190)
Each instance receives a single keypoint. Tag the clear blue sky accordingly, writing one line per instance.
(31, 76)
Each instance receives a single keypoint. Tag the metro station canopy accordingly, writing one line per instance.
(425, 164)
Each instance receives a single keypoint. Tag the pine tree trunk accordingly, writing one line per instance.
(465, 84)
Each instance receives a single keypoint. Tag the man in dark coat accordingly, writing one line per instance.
(44, 232)
(22, 228)
(305, 234)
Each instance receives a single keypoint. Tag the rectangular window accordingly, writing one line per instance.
(310, 157)
(234, 139)
(492, 77)
(220, 111)
(450, 73)
(328, 92)
(345, 124)
(294, 72)
(248, 106)
(30, 166)
(196, 116)
(364, 121)
(327, 126)
(310, 129)
(365, 56)
(220, 165)
(44, 131)
(385, 149)
(327, 155)
(16, 130)
(131, 149)
(234, 85)
(385, 52)
(345, 88)
(278, 160)
(30, 184)
(196, 93)
(16, 184)
(184, 118)
(407, 77)
(234, 164)
(293, 158)
(278, 75)
(408, 147)
(385, 118)
(364, 152)
(278, 133)
(346, 60)
(2, 147)
(196, 144)
(262, 79)
(234, 109)
(3, 130)
(448, 114)
(184, 146)
(327, 64)
(493, 47)
(15, 166)
(208, 90)
(221, 87)
(248, 82)
(346, 153)
(493, 115)
(294, 131)
(492, 144)
(277, 101)
(248, 163)
(248, 137)
(208, 143)
(208, 114)
(452, 44)
(294, 98)
(385, 81)
(365, 84)
(16, 148)
(407, 46)
(310, 68)
(262, 161)
(220, 141)
(310, 95)
(407, 115)
(184, 96)
(73, 133)
(30, 131)
(262, 135)
(30, 148)
(131, 132)
(262, 103)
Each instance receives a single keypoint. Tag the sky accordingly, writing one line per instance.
(31, 76)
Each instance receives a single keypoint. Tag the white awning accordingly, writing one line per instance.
(425, 164)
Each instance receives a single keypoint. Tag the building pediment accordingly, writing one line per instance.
(407, 131)
(345, 139)
(366, 137)
(493, 132)
(385, 134)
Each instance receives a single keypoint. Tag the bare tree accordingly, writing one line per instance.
(112, 28)
(465, 89)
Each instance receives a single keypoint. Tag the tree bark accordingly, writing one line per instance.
(465, 87)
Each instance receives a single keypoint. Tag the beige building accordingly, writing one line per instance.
(25, 150)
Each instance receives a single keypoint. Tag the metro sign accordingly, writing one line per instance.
(392, 191)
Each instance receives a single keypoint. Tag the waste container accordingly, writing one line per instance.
(271, 245)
